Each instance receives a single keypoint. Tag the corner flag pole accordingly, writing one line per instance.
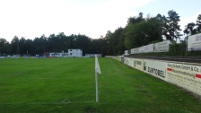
(96, 78)
(97, 71)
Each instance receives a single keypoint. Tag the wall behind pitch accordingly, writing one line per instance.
(138, 64)
(194, 42)
(185, 75)
(155, 68)
(128, 61)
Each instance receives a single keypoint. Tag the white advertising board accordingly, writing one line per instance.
(126, 60)
(130, 62)
(119, 58)
(155, 68)
(138, 64)
(149, 48)
(135, 51)
(186, 76)
(194, 42)
(141, 49)
(162, 46)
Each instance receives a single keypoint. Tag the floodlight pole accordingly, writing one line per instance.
(96, 80)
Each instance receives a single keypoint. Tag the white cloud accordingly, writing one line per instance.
(185, 21)
(31, 18)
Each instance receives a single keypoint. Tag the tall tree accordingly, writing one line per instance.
(121, 46)
(143, 33)
(117, 41)
(29, 47)
(15, 45)
(109, 44)
(82, 42)
(165, 26)
(22, 46)
(130, 36)
(198, 22)
(4, 47)
(190, 29)
(98, 46)
(174, 28)
(135, 19)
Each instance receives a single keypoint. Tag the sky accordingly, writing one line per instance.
(93, 18)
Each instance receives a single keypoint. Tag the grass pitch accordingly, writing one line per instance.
(67, 85)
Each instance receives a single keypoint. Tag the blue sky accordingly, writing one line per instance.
(185, 8)
(33, 18)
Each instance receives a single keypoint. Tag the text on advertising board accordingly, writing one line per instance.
(156, 72)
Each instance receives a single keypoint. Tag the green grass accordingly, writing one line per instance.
(68, 86)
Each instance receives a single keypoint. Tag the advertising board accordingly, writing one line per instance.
(162, 46)
(148, 48)
(186, 76)
(135, 51)
(194, 42)
(138, 64)
(128, 61)
(141, 49)
(155, 68)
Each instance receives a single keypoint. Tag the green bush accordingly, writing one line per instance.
(177, 49)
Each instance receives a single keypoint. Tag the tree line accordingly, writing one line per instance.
(139, 31)
(53, 43)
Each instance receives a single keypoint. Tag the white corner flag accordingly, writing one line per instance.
(97, 66)
(97, 71)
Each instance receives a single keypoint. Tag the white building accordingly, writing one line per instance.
(55, 54)
(75, 52)
(71, 53)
